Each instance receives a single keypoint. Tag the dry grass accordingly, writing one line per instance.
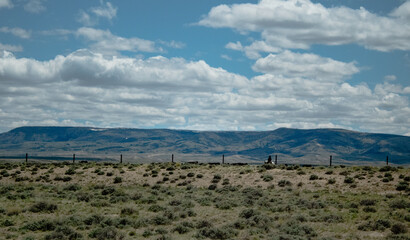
(172, 201)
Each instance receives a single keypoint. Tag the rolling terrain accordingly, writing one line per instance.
(147, 145)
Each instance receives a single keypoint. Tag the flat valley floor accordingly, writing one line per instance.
(199, 201)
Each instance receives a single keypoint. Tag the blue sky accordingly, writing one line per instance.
(206, 65)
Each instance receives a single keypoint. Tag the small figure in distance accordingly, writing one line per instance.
(269, 160)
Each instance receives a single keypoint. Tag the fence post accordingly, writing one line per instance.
(387, 160)
(330, 161)
(172, 158)
(276, 159)
(121, 158)
(74, 158)
(26, 157)
(223, 159)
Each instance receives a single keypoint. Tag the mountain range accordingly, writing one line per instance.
(312, 146)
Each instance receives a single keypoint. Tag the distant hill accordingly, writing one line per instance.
(142, 145)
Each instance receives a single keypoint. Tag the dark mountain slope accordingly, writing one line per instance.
(291, 145)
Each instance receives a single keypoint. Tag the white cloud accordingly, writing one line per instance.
(11, 48)
(89, 88)
(106, 10)
(104, 41)
(35, 6)
(6, 4)
(226, 57)
(173, 44)
(390, 77)
(301, 23)
(19, 32)
(305, 65)
(252, 51)
(92, 16)
(402, 11)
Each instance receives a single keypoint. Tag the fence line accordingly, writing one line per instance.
(285, 160)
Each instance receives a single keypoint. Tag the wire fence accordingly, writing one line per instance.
(277, 159)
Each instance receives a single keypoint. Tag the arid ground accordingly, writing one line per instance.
(199, 201)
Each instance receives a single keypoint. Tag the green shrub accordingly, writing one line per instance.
(128, 211)
(398, 228)
(70, 171)
(399, 204)
(331, 181)
(42, 225)
(368, 202)
(212, 187)
(248, 213)
(108, 233)
(199, 175)
(63, 233)
(108, 191)
(283, 183)
(402, 186)
(72, 187)
(387, 169)
(301, 172)
(83, 197)
(160, 220)
(349, 180)
(181, 229)
(43, 207)
(313, 177)
(118, 180)
(296, 229)
(379, 225)
(369, 209)
(216, 233)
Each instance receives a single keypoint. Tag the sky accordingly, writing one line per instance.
(206, 64)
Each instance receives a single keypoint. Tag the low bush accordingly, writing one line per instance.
(118, 180)
(296, 229)
(379, 225)
(399, 204)
(106, 233)
(368, 202)
(349, 180)
(283, 183)
(70, 171)
(72, 187)
(42, 225)
(63, 233)
(216, 233)
(399, 228)
(267, 177)
(248, 213)
(313, 177)
(128, 211)
(402, 186)
(43, 207)
(331, 181)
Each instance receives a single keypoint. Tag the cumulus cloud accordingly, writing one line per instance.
(88, 88)
(35, 6)
(390, 77)
(92, 16)
(252, 51)
(11, 48)
(19, 32)
(402, 11)
(105, 42)
(6, 4)
(301, 23)
(305, 65)
(106, 10)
